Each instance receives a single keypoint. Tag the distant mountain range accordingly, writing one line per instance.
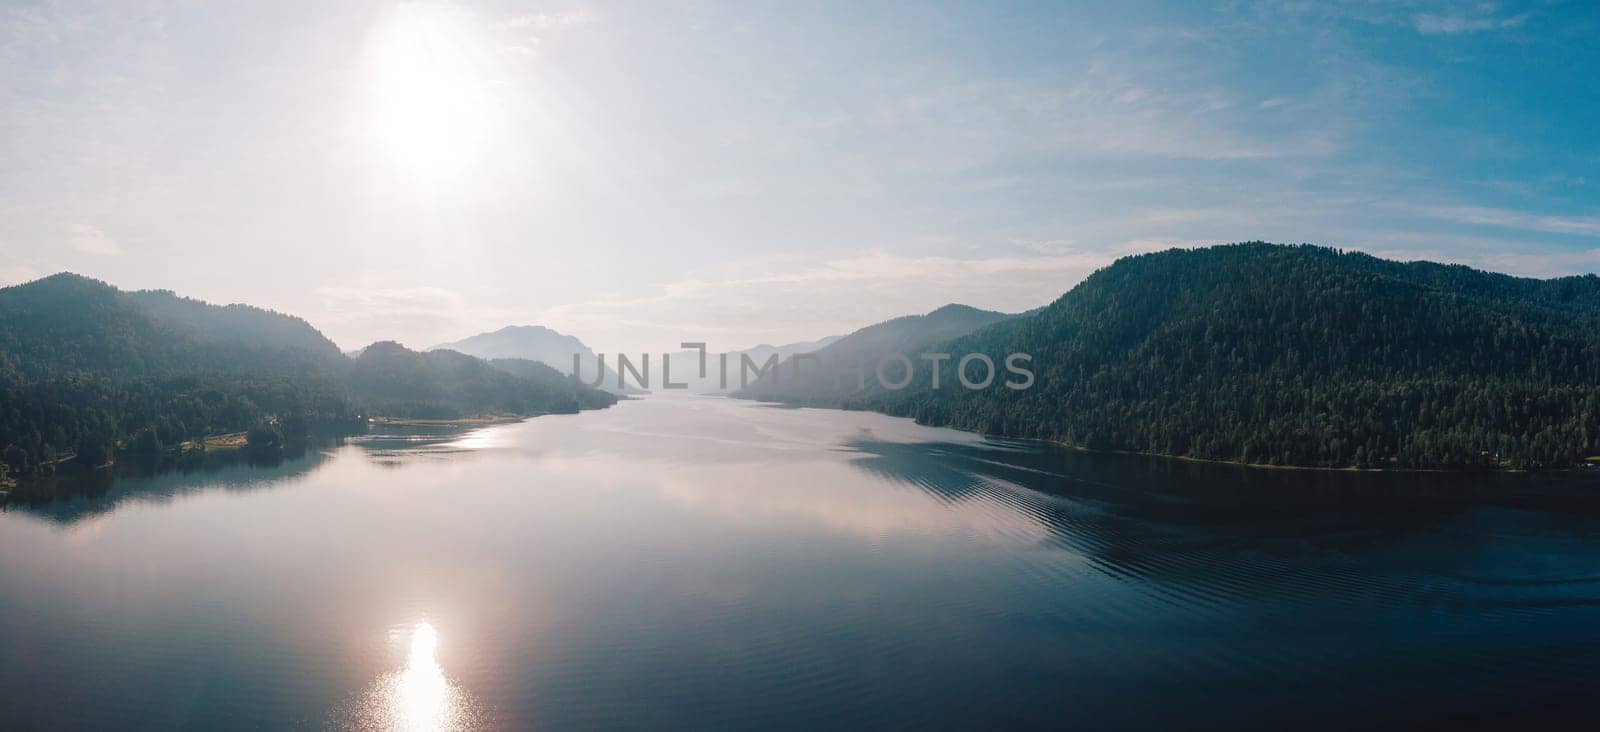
(555, 349)
(532, 342)
(829, 374)
(685, 365)
(1279, 355)
(546, 346)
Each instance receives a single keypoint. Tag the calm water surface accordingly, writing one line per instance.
(681, 561)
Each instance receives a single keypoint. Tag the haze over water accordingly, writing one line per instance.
(701, 562)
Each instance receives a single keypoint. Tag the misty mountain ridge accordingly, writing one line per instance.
(544, 345)
(908, 335)
(555, 349)
(533, 342)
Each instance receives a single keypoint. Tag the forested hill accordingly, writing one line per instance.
(1293, 355)
(907, 335)
(392, 379)
(235, 324)
(67, 323)
(87, 370)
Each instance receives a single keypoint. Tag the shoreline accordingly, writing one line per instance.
(482, 421)
(1182, 458)
(1258, 466)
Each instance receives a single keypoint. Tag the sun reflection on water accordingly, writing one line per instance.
(418, 696)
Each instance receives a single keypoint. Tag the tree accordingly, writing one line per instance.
(145, 441)
(94, 450)
(264, 442)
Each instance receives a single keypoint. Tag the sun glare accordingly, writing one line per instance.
(418, 696)
(430, 92)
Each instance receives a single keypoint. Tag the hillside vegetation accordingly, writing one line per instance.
(87, 370)
(1291, 355)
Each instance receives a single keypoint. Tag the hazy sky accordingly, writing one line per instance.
(642, 174)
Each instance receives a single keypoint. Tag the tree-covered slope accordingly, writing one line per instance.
(554, 381)
(87, 369)
(66, 323)
(1295, 356)
(235, 325)
(397, 381)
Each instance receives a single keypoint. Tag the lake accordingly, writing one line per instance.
(682, 561)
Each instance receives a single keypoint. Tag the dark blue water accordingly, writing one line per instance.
(697, 562)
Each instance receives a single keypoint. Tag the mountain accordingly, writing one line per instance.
(555, 349)
(908, 335)
(537, 343)
(790, 349)
(87, 369)
(445, 384)
(532, 342)
(1292, 355)
(234, 324)
(68, 323)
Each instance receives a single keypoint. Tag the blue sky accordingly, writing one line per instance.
(641, 174)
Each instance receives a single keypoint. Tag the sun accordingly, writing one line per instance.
(430, 90)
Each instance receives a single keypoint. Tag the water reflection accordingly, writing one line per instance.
(418, 696)
(702, 563)
(393, 444)
(1196, 493)
(71, 498)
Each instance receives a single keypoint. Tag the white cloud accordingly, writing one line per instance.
(740, 307)
(526, 32)
(1109, 108)
(1574, 225)
(1431, 24)
(91, 240)
(1046, 246)
(540, 22)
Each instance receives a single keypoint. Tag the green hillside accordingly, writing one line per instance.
(1293, 355)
